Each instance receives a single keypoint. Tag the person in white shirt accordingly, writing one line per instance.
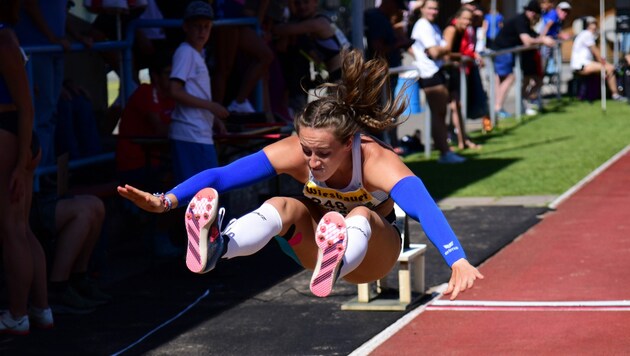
(195, 114)
(429, 49)
(586, 60)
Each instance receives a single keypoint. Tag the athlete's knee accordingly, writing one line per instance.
(279, 203)
(360, 211)
(284, 205)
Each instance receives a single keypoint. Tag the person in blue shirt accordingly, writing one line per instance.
(492, 23)
(552, 22)
(43, 22)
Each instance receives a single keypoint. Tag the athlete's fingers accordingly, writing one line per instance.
(456, 291)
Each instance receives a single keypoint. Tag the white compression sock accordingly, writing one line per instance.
(253, 231)
(359, 232)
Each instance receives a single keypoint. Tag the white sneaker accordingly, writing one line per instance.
(244, 107)
(8, 325)
(530, 112)
(41, 318)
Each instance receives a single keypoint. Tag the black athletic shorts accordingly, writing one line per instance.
(9, 122)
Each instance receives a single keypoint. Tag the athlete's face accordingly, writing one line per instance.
(323, 153)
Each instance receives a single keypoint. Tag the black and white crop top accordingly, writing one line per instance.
(350, 197)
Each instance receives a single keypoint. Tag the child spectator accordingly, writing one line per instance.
(194, 117)
(147, 115)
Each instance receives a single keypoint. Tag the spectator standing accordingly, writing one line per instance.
(492, 23)
(429, 49)
(23, 259)
(453, 36)
(518, 31)
(196, 114)
(586, 59)
(383, 41)
(473, 43)
(552, 22)
(230, 41)
(43, 22)
(316, 39)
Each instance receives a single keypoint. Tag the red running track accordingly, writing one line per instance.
(578, 253)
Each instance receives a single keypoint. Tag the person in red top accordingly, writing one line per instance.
(146, 116)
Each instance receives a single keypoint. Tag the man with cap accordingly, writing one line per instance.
(554, 19)
(518, 31)
(552, 22)
(586, 59)
(195, 113)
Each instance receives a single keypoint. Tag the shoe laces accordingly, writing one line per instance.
(220, 217)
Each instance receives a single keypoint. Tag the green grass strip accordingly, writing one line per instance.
(541, 155)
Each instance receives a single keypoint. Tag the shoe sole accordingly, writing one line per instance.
(200, 214)
(331, 238)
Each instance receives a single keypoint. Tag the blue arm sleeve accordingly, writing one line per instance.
(411, 196)
(240, 173)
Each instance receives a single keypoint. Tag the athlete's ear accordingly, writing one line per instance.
(348, 145)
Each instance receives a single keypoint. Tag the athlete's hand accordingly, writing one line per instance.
(142, 199)
(463, 277)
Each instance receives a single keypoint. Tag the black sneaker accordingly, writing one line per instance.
(88, 289)
(71, 302)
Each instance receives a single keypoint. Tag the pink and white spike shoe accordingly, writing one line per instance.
(205, 243)
(331, 238)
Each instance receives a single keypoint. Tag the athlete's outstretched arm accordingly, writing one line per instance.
(412, 197)
(240, 173)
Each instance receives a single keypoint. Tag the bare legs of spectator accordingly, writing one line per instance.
(226, 47)
(460, 123)
(261, 54)
(23, 256)
(78, 223)
(254, 47)
(596, 67)
(503, 85)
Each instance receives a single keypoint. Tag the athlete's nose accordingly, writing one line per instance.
(314, 163)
